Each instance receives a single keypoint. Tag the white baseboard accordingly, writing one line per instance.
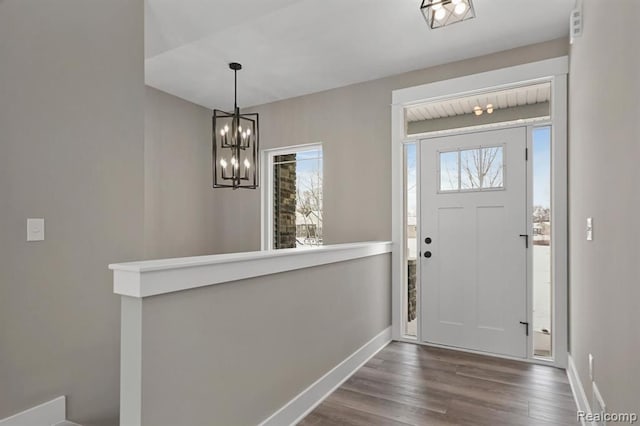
(296, 409)
(47, 414)
(576, 387)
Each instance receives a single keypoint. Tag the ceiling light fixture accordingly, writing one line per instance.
(478, 110)
(439, 13)
(235, 137)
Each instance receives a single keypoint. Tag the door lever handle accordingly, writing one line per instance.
(526, 324)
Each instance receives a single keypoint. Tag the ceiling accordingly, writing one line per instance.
(509, 98)
(294, 47)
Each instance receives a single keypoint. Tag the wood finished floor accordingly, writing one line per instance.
(406, 384)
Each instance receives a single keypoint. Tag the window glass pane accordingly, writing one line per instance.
(469, 178)
(310, 155)
(411, 202)
(309, 202)
(542, 283)
(449, 171)
(297, 199)
(492, 167)
(481, 168)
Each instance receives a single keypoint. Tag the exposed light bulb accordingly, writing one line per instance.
(239, 129)
(244, 135)
(440, 14)
(248, 132)
(226, 128)
(489, 108)
(477, 110)
(246, 163)
(460, 8)
(223, 163)
(221, 132)
(233, 161)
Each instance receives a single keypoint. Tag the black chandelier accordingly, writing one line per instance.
(235, 145)
(439, 13)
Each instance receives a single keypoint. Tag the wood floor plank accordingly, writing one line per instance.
(388, 409)
(396, 351)
(561, 415)
(330, 413)
(498, 400)
(432, 401)
(478, 382)
(407, 384)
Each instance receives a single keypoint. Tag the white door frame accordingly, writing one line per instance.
(551, 70)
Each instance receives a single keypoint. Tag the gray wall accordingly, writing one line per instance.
(179, 199)
(71, 151)
(354, 124)
(604, 149)
(234, 353)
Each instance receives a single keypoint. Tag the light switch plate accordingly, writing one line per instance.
(589, 229)
(35, 229)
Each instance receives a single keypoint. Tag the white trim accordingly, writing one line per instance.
(47, 414)
(576, 388)
(300, 406)
(559, 221)
(537, 361)
(398, 272)
(266, 194)
(480, 128)
(152, 277)
(515, 75)
(529, 224)
(552, 70)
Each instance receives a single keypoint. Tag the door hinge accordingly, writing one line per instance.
(526, 325)
(526, 241)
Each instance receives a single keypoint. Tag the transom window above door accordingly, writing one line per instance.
(519, 104)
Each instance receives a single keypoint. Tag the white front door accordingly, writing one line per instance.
(473, 263)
